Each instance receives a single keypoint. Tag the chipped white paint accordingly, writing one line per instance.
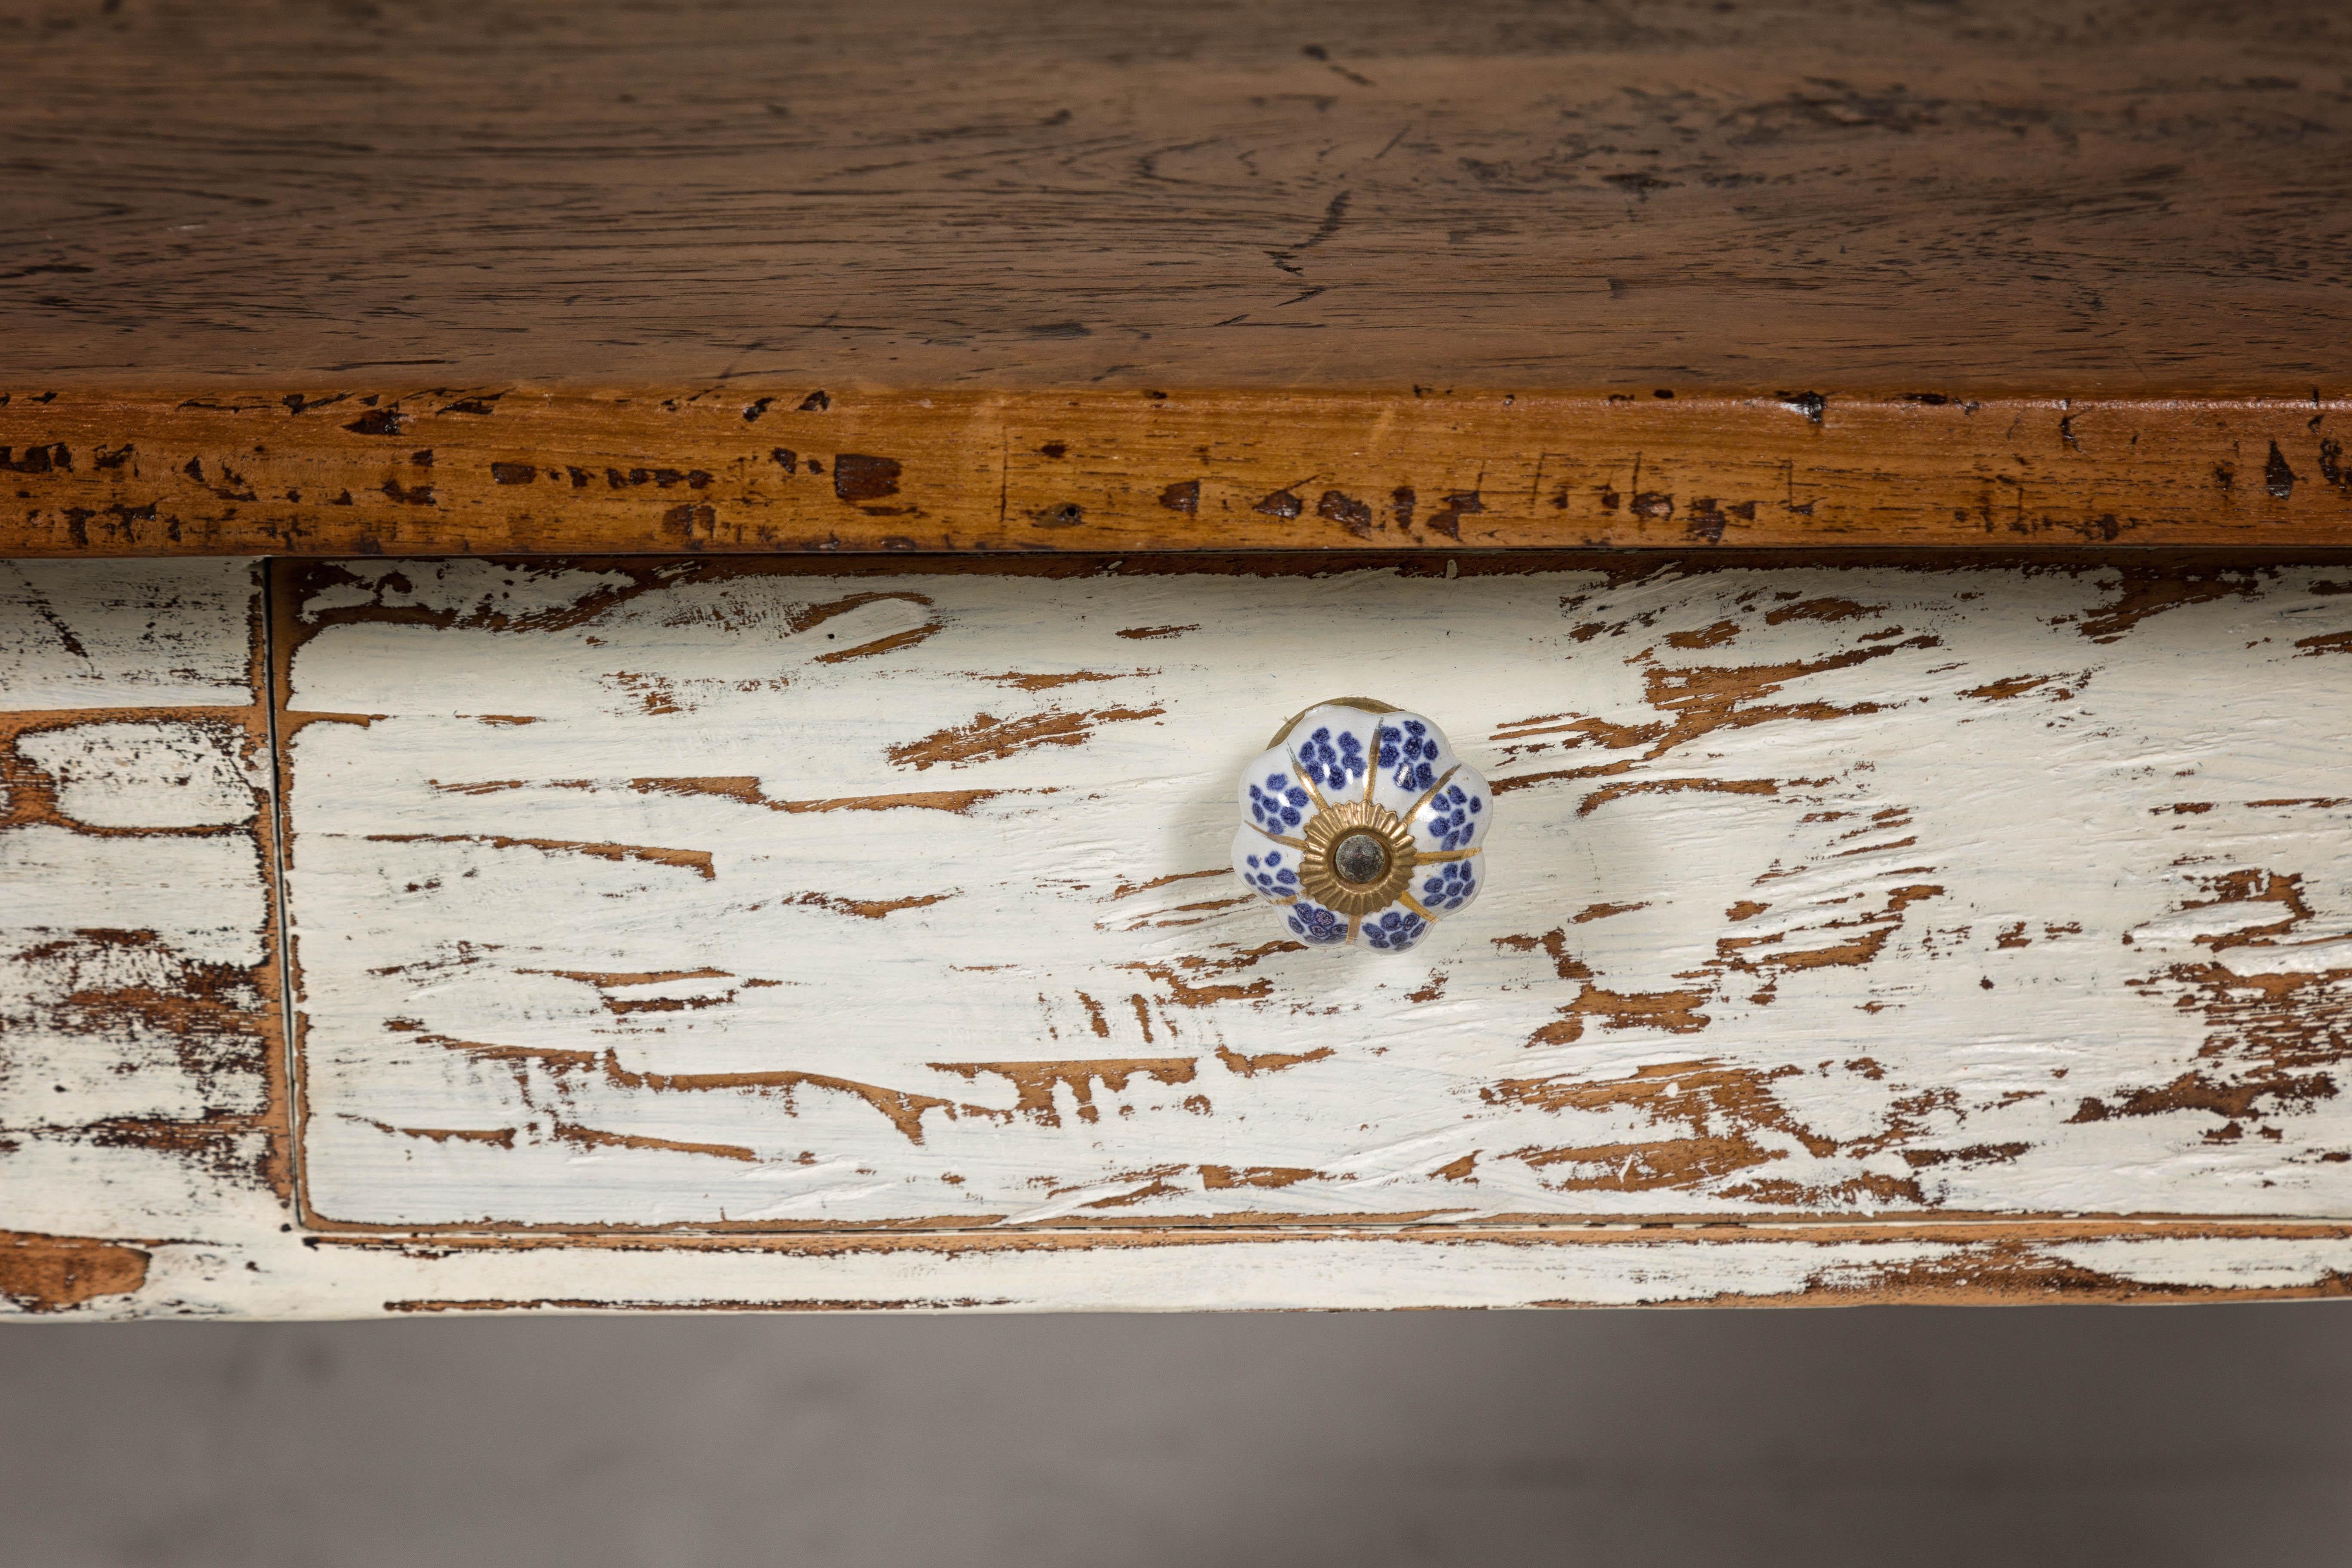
(126, 634)
(1837, 891)
(137, 1008)
(202, 898)
(159, 774)
(137, 1111)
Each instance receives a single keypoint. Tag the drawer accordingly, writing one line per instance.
(461, 934)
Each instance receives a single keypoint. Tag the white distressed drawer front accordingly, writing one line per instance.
(463, 936)
(644, 895)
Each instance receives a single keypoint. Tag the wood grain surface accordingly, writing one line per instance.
(1976, 198)
(800, 469)
(1061, 276)
(1723, 1037)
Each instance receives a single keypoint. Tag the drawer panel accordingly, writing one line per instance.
(1777, 995)
(632, 894)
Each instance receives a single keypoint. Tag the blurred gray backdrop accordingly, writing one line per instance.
(2149, 1436)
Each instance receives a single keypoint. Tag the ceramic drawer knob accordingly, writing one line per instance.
(1362, 826)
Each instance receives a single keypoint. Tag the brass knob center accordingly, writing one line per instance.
(1360, 859)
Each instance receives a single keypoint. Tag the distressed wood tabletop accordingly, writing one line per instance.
(1063, 275)
(1983, 197)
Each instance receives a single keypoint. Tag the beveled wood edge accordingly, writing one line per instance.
(277, 1272)
(736, 469)
(1839, 1261)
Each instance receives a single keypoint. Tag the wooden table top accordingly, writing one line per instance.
(1778, 206)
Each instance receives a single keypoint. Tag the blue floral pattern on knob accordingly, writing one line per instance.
(1363, 826)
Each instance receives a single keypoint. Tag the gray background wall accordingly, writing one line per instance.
(2151, 1437)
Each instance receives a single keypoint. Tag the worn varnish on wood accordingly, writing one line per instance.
(700, 936)
(794, 468)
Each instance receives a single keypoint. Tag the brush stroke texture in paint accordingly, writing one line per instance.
(139, 1164)
(1855, 891)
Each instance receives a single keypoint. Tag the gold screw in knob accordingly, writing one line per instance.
(1358, 858)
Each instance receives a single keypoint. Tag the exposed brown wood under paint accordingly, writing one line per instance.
(844, 1241)
(1034, 1082)
(183, 471)
(746, 789)
(29, 794)
(51, 1273)
(592, 1304)
(2014, 1263)
(694, 860)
